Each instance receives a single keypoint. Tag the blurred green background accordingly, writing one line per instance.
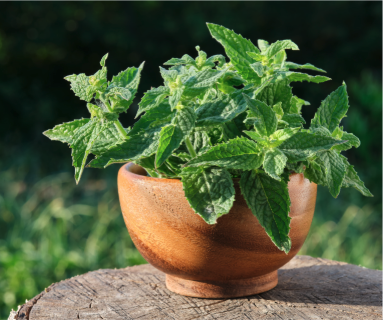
(51, 229)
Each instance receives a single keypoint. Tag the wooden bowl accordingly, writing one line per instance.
(232, 258)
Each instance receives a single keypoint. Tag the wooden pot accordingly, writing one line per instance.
(232, 258)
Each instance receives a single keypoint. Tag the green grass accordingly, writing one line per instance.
(342, 230)
(55, 230)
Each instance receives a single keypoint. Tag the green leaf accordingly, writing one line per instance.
(83, 141)
(210, 192)
(183, 156)
(152, 99)
(171, 137)
(316, 172)
(263, 45)
(239, 153)
(65, 132)
(154, 118)
(232, 78)
(175, 164)
(98, 81)
(258, 68)
(175, 97)
(80, 84)
(204, 79)
(255, 56)
(277, 92)
(163, 171)
(269, 201)
(128, 79)
(200, 141)
(283, 134)
(274, 163)
(282, 124)
(103, 59)
(337, 133)
(185, 119)
(335, 170)
(120, 97)
(95, 111)
(234, 128)
(189, 60)
(352, 179)
(267, 121)
(303, 145)
(296, 105)
(252, 90)
(141, 145)
(280, 57)
(168, 75)
(297, 76)
(297, 167)
(147, 164)
(201, 60)
(218, 111)
(215, 134)
(217, 58)
(294, 120)
(321, 130)
(352, 141)
(332, 109)
(236, 48)
(175, 62)
(308, 66)
(257, 137)
(186, 59)
(278, 110)
(200, 82)
(275, 47)
(107, 138)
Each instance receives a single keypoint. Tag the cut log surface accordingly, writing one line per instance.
(308, 288)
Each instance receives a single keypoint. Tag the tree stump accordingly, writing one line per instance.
(308, 288)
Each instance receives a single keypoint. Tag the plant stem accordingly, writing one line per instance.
(190, 147)
(117, 123)
(120, 129)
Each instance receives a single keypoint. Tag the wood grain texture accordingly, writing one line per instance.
(308, 288)
(222, 289)
(175, 240)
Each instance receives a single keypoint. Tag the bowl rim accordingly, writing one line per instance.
(126, 169)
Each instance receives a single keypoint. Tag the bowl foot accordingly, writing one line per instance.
(222, 289)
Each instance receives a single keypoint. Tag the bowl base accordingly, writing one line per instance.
(222, 289)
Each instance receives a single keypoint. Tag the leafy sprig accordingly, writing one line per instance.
(213, 121)
(103, 130)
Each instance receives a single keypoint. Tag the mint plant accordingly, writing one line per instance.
(215, 120)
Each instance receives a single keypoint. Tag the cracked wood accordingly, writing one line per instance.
(308, 288)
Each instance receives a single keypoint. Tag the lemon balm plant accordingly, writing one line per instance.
(214, 120)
